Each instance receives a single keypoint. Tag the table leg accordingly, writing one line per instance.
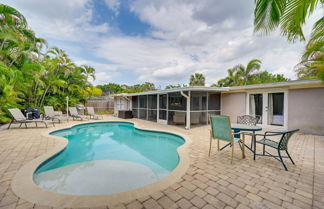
(254, 144)
(243, 145)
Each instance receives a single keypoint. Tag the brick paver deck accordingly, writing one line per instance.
(210, 182)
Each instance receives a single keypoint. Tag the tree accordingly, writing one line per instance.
(197, 79)
(110, 88)
(244, 73)
(288, 15)
(312, 64)
(240, 75)
(176, 86)
(31, 78)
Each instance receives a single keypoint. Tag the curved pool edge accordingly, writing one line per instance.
(24, 187)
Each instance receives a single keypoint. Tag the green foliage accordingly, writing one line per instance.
(240, 75)
(31, 78)
(288, 15)
(312, 64)
(176, 86)
(114, 88)
(197, 79)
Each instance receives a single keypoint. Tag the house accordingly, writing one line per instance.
(282, 105)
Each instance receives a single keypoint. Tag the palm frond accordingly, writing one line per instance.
(318, 30)
(267, 15)
(294, 17)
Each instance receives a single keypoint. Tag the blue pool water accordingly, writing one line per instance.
(108, 152)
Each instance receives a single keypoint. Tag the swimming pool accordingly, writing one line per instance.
(107, 158)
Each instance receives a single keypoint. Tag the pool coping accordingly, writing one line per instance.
(24, 187)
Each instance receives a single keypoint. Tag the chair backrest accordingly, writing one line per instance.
(221, 127)
(179, 117)
(17, 114)
(73, 111)
(283, 143)
(49, 111)
(90, 111)
(247, 119)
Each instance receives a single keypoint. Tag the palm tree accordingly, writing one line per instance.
(245, 73)
(312, 64)
(288, 15)
(197, 79)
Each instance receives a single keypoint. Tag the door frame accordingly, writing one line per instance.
(265, 96)
(158, 120)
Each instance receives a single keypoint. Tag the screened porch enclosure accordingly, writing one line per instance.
(171, 108)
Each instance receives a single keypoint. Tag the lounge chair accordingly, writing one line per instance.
(20, 118)
(51, 114)
(282, 145)
(75, 115)
(92, 113)
(221, 130)
(179, 118)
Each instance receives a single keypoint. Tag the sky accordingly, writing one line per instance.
(159, 41)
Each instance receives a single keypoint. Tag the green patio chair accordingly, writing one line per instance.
(221, 130)
(282, 145)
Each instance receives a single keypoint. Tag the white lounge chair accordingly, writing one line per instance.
(51, 114)
(92, 113)
(179, 118)
(19, 117)
(75, 115)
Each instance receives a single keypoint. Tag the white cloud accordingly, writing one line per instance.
(187, 36)
(113, 5)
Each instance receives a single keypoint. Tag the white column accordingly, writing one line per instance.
(157, 107)
(188, 121)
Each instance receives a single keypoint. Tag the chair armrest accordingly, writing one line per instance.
(273, 132)
(58, 113)
(266, 134)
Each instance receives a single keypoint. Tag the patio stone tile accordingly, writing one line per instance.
(237, 190)
(270, 197)
(173, 195)
(42, 207)
(208, 207)
(12, 206)
(119, 206)
(185, 193)
(227, 199)
(184, 203)
(210, 182)
(157, 195)
(134, 205)
(214, 201)
(241, 206)
(197, 201)
(254, 197)
(199, 192)
(151, 204)
(8, 200)
(165, 202)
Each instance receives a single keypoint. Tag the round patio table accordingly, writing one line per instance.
(249, 128)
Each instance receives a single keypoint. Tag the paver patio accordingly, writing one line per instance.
(210, 182)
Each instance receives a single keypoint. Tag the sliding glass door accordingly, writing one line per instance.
(256, 106)
(269, 107)
(276, 109)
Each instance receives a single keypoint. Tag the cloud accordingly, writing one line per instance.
(114, 5)
(184, 37)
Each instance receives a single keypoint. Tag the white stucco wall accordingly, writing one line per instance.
(306, 110)
(233, 105)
